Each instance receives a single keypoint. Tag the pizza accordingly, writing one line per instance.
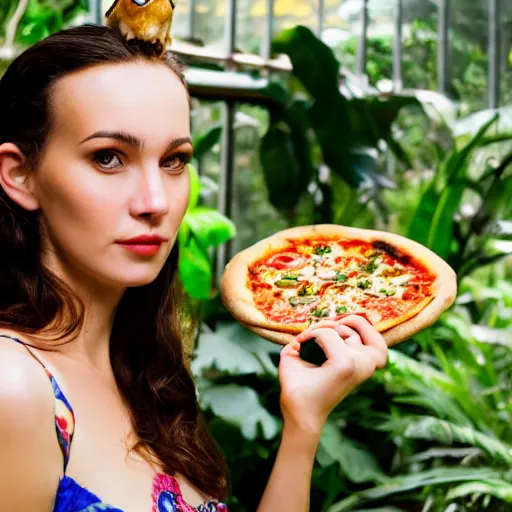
(297, 277)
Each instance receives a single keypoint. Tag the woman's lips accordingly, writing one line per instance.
(145, 245)
(142, 249)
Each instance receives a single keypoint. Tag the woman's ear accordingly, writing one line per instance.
(16, 177)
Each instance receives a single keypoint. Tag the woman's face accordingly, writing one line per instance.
(113, 170)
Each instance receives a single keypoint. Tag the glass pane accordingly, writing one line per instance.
(288, 13)
(419, 54)
(204, 116)
(381, 31)
(251, 25)
(254, 216)
(342, 29)
(468, 60)
(180, 19)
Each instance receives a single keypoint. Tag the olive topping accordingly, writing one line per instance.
(319, 312)
(320, 250)
(340, 277)
(364, 284)
(296, 301)
(286, 283)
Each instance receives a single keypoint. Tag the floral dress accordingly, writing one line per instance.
(73, 497)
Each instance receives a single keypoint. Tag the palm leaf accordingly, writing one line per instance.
(435, 429)
(405, 483)
(497, 488)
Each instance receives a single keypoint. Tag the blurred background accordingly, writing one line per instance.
(384, 114)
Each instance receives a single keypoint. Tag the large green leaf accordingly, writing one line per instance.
(285, 154)
(195, 270)
(419, 228)
(373, 116)
(405, 483)
(235, 350)
(240, 405)
(313, 61)
(432, 224)
(455, 165)
(342, 151)
(297, 117)
(317, 69)
(209, 226)
(205, 141)
(492, 252)
(447, 433)
(496, 198)
(440, 235)
(357, 463)
(497, 488)
(195, 187)
(439, 453)
(281, 168)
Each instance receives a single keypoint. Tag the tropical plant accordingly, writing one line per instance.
(319, 132)
(431, 432)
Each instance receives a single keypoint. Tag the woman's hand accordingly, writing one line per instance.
(354, 349)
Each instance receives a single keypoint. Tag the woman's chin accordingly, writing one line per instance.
(132, 278)
(134, 282)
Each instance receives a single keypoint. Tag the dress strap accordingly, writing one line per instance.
(64, 415)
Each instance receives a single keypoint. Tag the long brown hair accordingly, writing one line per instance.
(145, 345)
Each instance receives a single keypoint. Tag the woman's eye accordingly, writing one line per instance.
(175, 163)
(107, 159)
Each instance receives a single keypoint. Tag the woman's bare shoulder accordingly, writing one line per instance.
(31, 459)
(25, 390)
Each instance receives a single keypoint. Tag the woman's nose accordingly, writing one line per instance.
(150, 197)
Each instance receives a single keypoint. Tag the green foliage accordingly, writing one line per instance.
(434, 427)
(432, 430)
(41, 18)
(201, 229)
(468, 64)
(319, 127)
(466, 243)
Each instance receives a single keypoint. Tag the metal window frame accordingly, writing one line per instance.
(96, 11)
(494, 53)
(362, 49)
(398, 13)
(442, 45)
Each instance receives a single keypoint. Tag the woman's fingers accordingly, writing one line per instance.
(346, 332)
(370, 336)
(353, 341)
(343, 330)
(356, 332)
(331, 343)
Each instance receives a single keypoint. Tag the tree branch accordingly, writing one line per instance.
(12, 25)
(8, 50)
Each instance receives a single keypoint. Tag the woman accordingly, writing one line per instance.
(95, 397)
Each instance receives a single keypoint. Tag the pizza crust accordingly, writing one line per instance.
(238, 298)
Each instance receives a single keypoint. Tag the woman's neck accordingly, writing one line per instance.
(92, 344)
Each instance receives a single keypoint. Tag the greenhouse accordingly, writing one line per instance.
(387, 115)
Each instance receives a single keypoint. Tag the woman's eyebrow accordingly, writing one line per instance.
(133, 141)
(176, 143)
(128, 139)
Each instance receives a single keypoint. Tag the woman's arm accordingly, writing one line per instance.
(289, 485)
(30, 459)
(354, 349)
